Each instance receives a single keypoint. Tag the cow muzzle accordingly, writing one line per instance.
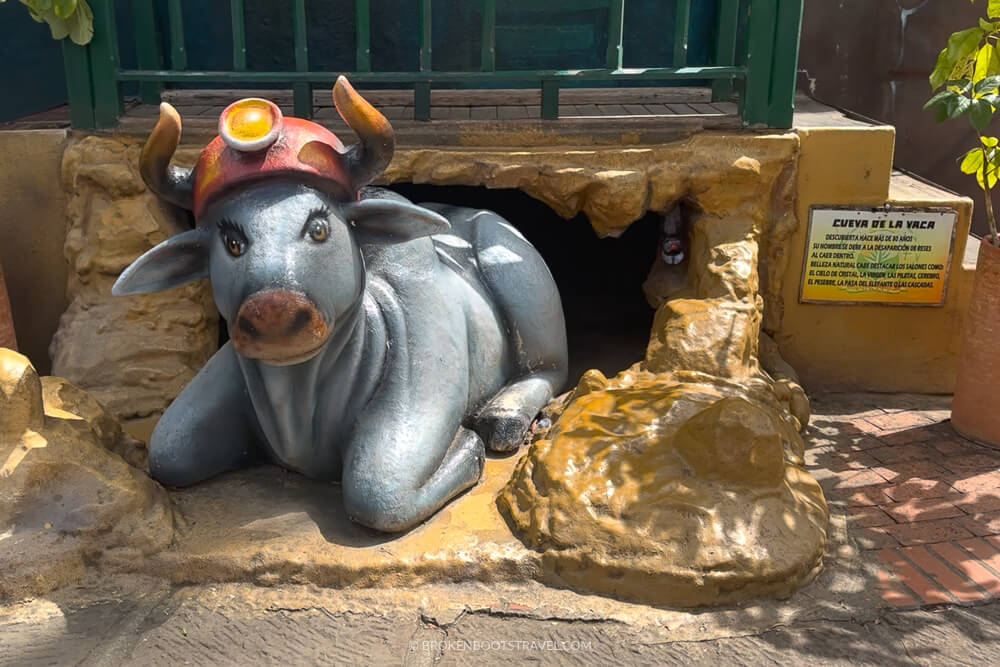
(278, 327)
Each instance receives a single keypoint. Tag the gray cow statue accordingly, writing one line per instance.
(373, 342)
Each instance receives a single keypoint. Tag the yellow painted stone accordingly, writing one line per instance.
(133, 354)
(67, 500)
(682, 491)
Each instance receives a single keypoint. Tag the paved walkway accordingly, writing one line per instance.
(912, 571)
(924, 499)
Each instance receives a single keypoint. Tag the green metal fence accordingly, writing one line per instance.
(755, 60)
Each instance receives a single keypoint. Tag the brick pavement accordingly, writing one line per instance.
(923, 499)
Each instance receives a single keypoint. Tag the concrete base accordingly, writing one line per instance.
(271, 526)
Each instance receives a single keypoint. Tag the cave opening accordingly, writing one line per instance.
(608, 319)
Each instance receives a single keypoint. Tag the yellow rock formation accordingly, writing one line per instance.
(66, 501)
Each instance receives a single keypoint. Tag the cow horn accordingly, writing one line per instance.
(168, 182)
(369, 157)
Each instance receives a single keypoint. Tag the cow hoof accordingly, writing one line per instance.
(503, 431)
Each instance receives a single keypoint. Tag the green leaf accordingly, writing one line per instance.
(82, 24)
(64, 8)
(941, 70)
(38, 6)
(988, 85)
(961, 45)
(980, 114)
(987, 62)
(993, 9)
(963, 85)
(964, 42)
(958, 106)
(991, 179)
(972, 161)
(57, 26)
(989, 142)
(940, 113)
(942, 96)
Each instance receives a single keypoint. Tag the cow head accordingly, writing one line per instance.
(278, 222)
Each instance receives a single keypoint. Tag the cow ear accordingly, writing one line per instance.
(392, 221)
(178, 260)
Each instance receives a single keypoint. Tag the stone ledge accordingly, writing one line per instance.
(272, 527)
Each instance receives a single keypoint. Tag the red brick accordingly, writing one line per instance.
(987, 523)
(900, 472)
(913, 578)
(856, 409)
(874, 538)
(971, 463)
(977, 501)
(943, 427)
(867, 495)
(925, 532)
(899, 421)
(902, 453)
(865, 442)
(862, 426)
(908, 436)
(922, 509)
(969, 566)
(982, 550)
(850, 479)
(868, 517)
(835, 461)
(953, 447)
(918, 488)
(855, 443)
(942, 575)
(893, 593)
(982, 482)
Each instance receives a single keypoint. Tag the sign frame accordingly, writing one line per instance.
(887, 208)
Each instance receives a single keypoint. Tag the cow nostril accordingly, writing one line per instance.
(247, 327)
(301, 319)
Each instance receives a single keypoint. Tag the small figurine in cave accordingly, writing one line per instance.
(374, 342)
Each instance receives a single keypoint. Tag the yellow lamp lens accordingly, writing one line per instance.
(250, 124)
(249, 121)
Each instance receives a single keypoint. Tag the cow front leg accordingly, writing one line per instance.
(388, 492)
(208, 429)
(504, 422)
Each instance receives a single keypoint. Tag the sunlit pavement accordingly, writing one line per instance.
(911, 569)
(927, 500)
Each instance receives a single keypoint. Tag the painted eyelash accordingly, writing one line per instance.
(231, 225)
(319, 212)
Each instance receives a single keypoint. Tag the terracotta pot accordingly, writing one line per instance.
(975, 409)
(7, 338)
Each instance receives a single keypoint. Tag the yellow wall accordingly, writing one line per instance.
(868, 347)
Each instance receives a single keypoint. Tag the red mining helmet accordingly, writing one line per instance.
(256, 141)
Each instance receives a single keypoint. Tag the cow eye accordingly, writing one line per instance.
(318, 230)
(233, 237)
(235, 245)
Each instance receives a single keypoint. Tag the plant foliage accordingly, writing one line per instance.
(966, 82)
(66, 18)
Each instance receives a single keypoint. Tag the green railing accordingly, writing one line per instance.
(755, 60)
